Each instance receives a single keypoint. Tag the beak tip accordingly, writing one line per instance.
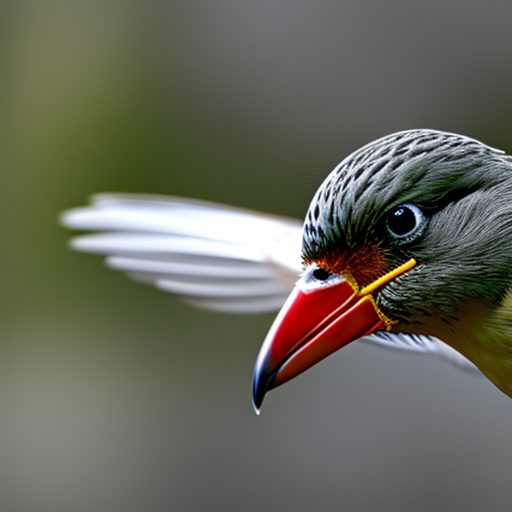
(261, 383)
(258, 393)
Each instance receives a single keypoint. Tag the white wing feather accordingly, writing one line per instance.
(422, 344)
(213, 256)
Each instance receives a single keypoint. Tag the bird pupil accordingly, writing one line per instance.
(321, 274)
(402, 221)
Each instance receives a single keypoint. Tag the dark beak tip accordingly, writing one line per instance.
(256, 402)
(261, 383)
(258, 393)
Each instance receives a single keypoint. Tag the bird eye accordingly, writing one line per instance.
(405, 220)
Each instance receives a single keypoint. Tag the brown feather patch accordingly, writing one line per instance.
(365, 264)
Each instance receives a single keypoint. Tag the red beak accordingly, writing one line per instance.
(312, 325)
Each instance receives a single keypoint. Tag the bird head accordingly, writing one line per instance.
(411, 233)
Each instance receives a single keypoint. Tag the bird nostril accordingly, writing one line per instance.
(321, 274)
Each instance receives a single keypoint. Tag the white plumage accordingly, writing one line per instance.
(215, 257)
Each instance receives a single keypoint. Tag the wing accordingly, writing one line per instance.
(422, 344)
(213, 256)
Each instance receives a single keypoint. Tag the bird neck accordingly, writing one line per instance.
(484, 336)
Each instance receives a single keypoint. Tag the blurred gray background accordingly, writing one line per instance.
(117, 397)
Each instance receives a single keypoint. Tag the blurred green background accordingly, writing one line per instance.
(117, 397)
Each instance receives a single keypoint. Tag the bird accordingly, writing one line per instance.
(406, 244)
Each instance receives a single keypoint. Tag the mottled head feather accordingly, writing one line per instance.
(465, 190)
(425, 167)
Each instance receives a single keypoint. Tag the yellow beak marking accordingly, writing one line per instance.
(365, 293)
(387, 277)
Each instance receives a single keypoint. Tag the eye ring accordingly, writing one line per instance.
(405, 222)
